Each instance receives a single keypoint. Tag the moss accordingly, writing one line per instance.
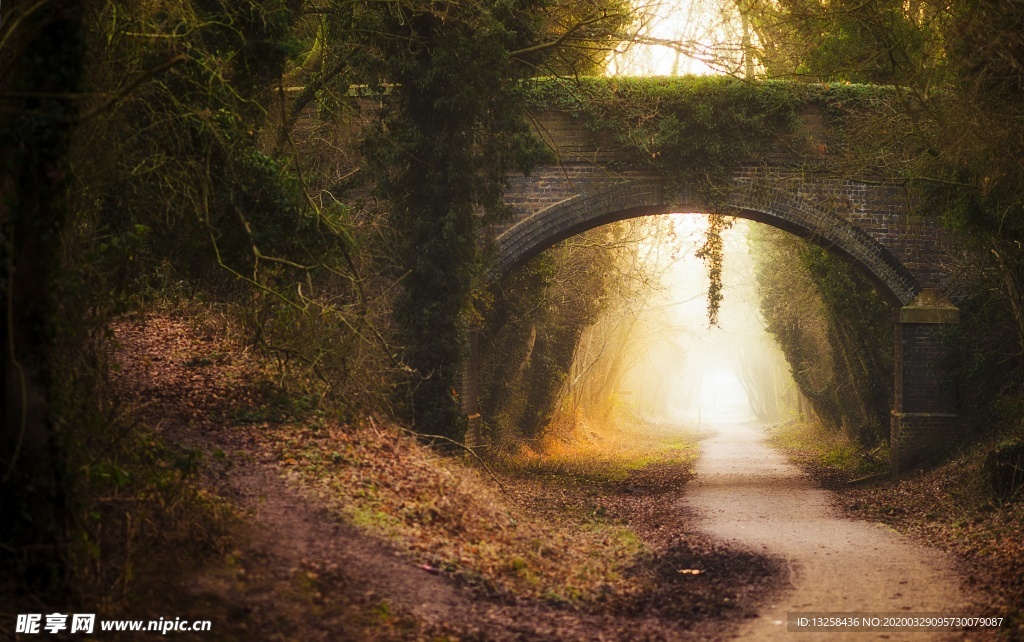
(696, 129)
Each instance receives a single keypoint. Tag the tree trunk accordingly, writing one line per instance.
(43, 59)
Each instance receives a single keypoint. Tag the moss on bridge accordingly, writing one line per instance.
(697, 129)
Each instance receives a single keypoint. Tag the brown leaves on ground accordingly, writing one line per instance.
(448, 516)
(600, 529)
(949, 507)
(607, 536)
(181, 373)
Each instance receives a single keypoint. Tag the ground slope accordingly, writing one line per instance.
(302, 570)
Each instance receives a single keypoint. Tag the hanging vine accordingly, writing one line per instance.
(711, 254)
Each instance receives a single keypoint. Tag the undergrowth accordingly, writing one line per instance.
(833, 456)
(143, 517)
(452, 517)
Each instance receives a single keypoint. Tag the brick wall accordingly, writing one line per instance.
(871, 223)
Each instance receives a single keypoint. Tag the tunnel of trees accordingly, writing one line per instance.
(839, 353)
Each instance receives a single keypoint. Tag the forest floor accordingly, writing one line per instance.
(361, 532)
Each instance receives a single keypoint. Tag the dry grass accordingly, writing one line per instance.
(453, 518)
(832, 456)
(604, 453)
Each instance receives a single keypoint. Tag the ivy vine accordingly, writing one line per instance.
(697, 130)
(711, 252)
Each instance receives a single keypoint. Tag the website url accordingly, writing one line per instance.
(53, 623)
(161, 625)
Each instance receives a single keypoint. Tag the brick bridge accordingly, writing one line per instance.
(870, 223)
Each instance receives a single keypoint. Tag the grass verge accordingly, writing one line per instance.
(833, 458)
(536, 538)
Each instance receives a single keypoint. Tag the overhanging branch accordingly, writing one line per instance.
(562, 38)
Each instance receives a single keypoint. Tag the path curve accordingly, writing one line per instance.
(749, 495)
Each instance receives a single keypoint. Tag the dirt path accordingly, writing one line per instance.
(749, 495)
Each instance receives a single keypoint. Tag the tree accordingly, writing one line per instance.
(451, 131)
(39, 76)
(834, 331)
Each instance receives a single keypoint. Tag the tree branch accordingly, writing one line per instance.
(141, 78)
(560, 39)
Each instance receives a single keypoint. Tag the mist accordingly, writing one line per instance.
(653, 356)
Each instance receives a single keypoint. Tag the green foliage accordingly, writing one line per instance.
(985, 358)
(881, 42)
(191, 181)
(448, 136)
(697, 129)
(253, 36)
(173, 196)
(860, 332)
(187, 164)
(139, 510)
(694, 129)
(835, 331)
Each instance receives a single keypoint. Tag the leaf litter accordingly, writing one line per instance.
(361, 531)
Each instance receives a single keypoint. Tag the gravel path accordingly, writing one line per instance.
(751, 496)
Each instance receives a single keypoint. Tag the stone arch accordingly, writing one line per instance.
(777, 206)
(924, 409)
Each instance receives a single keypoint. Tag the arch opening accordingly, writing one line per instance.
(653, 361)
(846, 218)
(780, 208)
